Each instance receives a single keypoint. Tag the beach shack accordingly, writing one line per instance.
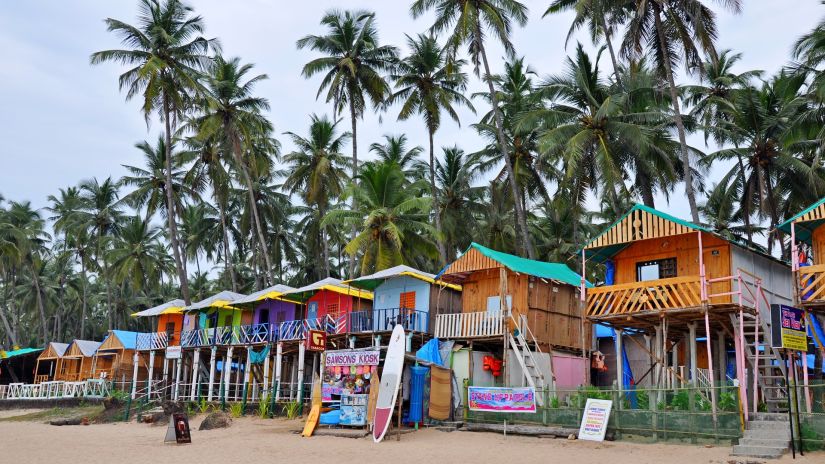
(406, 296)
(167, 325)
(114, 359)
(676, 281)
(77, 363)
(266, 309)
(19, 365)
(328, 303)
(807, 235)
(47, 362)
(528, 308)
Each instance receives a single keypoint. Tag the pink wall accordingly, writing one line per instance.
(571, 371)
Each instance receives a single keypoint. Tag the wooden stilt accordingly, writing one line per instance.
(178, 369)
(279, 355)
(228, 368)
(301, 356)
(694, 368)
(266, 377)
(196, 360)
(135, 358)
(212, 353)
(151, 372)
(619, 364)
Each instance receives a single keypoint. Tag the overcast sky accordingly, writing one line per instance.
(62, 120)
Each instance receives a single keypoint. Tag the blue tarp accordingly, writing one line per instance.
(429, 352)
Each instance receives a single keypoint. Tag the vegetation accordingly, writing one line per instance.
(217, 204)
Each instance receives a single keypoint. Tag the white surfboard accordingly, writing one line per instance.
(390, 380)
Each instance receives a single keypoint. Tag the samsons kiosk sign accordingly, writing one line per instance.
(352, 358)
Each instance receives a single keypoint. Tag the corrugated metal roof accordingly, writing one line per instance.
(218, 300)
(87, 347)
(554, 271)
(20, 352)
(126, 338)
(330, 283)
(59, 348)
(370, 282)
(157, 310)
(267, 293)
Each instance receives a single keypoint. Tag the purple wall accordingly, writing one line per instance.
(279, 311)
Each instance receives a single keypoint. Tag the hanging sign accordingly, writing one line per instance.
(316, 340)
(173, 352)
(594, 420)
(352, 358)
(788, 328)
(502, 399)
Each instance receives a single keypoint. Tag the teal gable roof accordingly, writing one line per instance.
(544, 270)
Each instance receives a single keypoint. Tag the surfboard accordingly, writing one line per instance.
(373, 397)
(390, 380)
(314, 413)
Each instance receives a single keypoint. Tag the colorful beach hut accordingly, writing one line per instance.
(808, 256)
(329, 302)
(114, 359)
(77, 363)
(19, 366)
(268, 307)
(404, 295)
(167, 325)
(48, 361)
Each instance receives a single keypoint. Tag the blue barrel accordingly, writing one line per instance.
(419, 373)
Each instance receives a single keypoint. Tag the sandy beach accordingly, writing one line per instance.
(257, 440)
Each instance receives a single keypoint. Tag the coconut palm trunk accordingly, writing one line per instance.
(610, 49)
(84, 302)
(170, 204)
(521, 219)
(40, 306)
(352, 115)
(226, 252)
(253, 205)
(442, 250)
(677, 116)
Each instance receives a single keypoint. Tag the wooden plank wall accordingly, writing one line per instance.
(483, 284)
(818, 242)
(639, 225)
(555, 315)
(471, 261)
(685, 248)
(443, 300)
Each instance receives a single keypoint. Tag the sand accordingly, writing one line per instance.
(251, 440)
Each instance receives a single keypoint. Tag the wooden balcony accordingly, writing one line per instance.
(469, 325)
(812, 285)
(654, 295)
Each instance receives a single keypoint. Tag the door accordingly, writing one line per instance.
(312, 310)
(717, 264)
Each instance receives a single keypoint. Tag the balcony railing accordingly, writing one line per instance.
(479, 324)
(254, 334)
(812, 283)
(152, 341)
(384, 320)
(654, 295)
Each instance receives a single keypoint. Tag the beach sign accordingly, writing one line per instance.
(502, 399)
(173, 352)
(178, 430)
(788, 328)
(594, 420)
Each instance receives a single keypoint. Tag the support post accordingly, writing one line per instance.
(178, 369)
(135, 359)
(151, 372)
(721, 358)
(279, 355)
(228, 368)
(213, 352)
(196, 361)
(740, 374)
(619, 366)
(710, 369)
(247, 374)
(694, 371)
(266, 374)
(301, 356)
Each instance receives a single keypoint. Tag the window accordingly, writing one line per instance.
(263, 316)
(333, 310)
(494, 304)
(170, 331)
(407, 300)
(654, 270)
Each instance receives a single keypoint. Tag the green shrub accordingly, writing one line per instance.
(203, 406)
(263, 407)
(292, 409)
(236, 410)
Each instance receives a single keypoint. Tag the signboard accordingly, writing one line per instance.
(316, 340)
(173, 352)
(502, 399)
(352, 358)
(178, 430)
(788, 328)
(594, 420)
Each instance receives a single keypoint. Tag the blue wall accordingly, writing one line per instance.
(388, 294)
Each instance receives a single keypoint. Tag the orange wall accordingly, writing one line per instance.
(176, 319)
(485, 283)
(818, 242)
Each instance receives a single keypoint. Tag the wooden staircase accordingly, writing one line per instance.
(521, 340)
(768, 364)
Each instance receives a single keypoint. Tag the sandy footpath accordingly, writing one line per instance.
(252, 440)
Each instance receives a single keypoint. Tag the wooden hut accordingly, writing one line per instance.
(403, 295)
(330, 301)
(675, 280)
(77, 363)
(19, 366)
(114, 359)
(807, 232)
(167, 326)
(267, 307)
(48, 361)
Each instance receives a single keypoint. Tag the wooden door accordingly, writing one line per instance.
(717, 265)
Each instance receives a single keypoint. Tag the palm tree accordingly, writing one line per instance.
(353, 64)
(316, 170)
(468, 21)
(393, 221)
(167, 52)
(233, 114)
(149, 182)
(723, 213)
(394, 149)
(428, 83)
(102, 216)
(200, 232)
(460, 203)
(600, 17)
(137, 255)
(670, 29)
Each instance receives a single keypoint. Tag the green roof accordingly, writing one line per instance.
(544, 270)
(20, 352)
(803, 230)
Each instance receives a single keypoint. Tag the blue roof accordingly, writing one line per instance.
(127, 339)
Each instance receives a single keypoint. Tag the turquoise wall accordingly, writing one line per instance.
(388, 294)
